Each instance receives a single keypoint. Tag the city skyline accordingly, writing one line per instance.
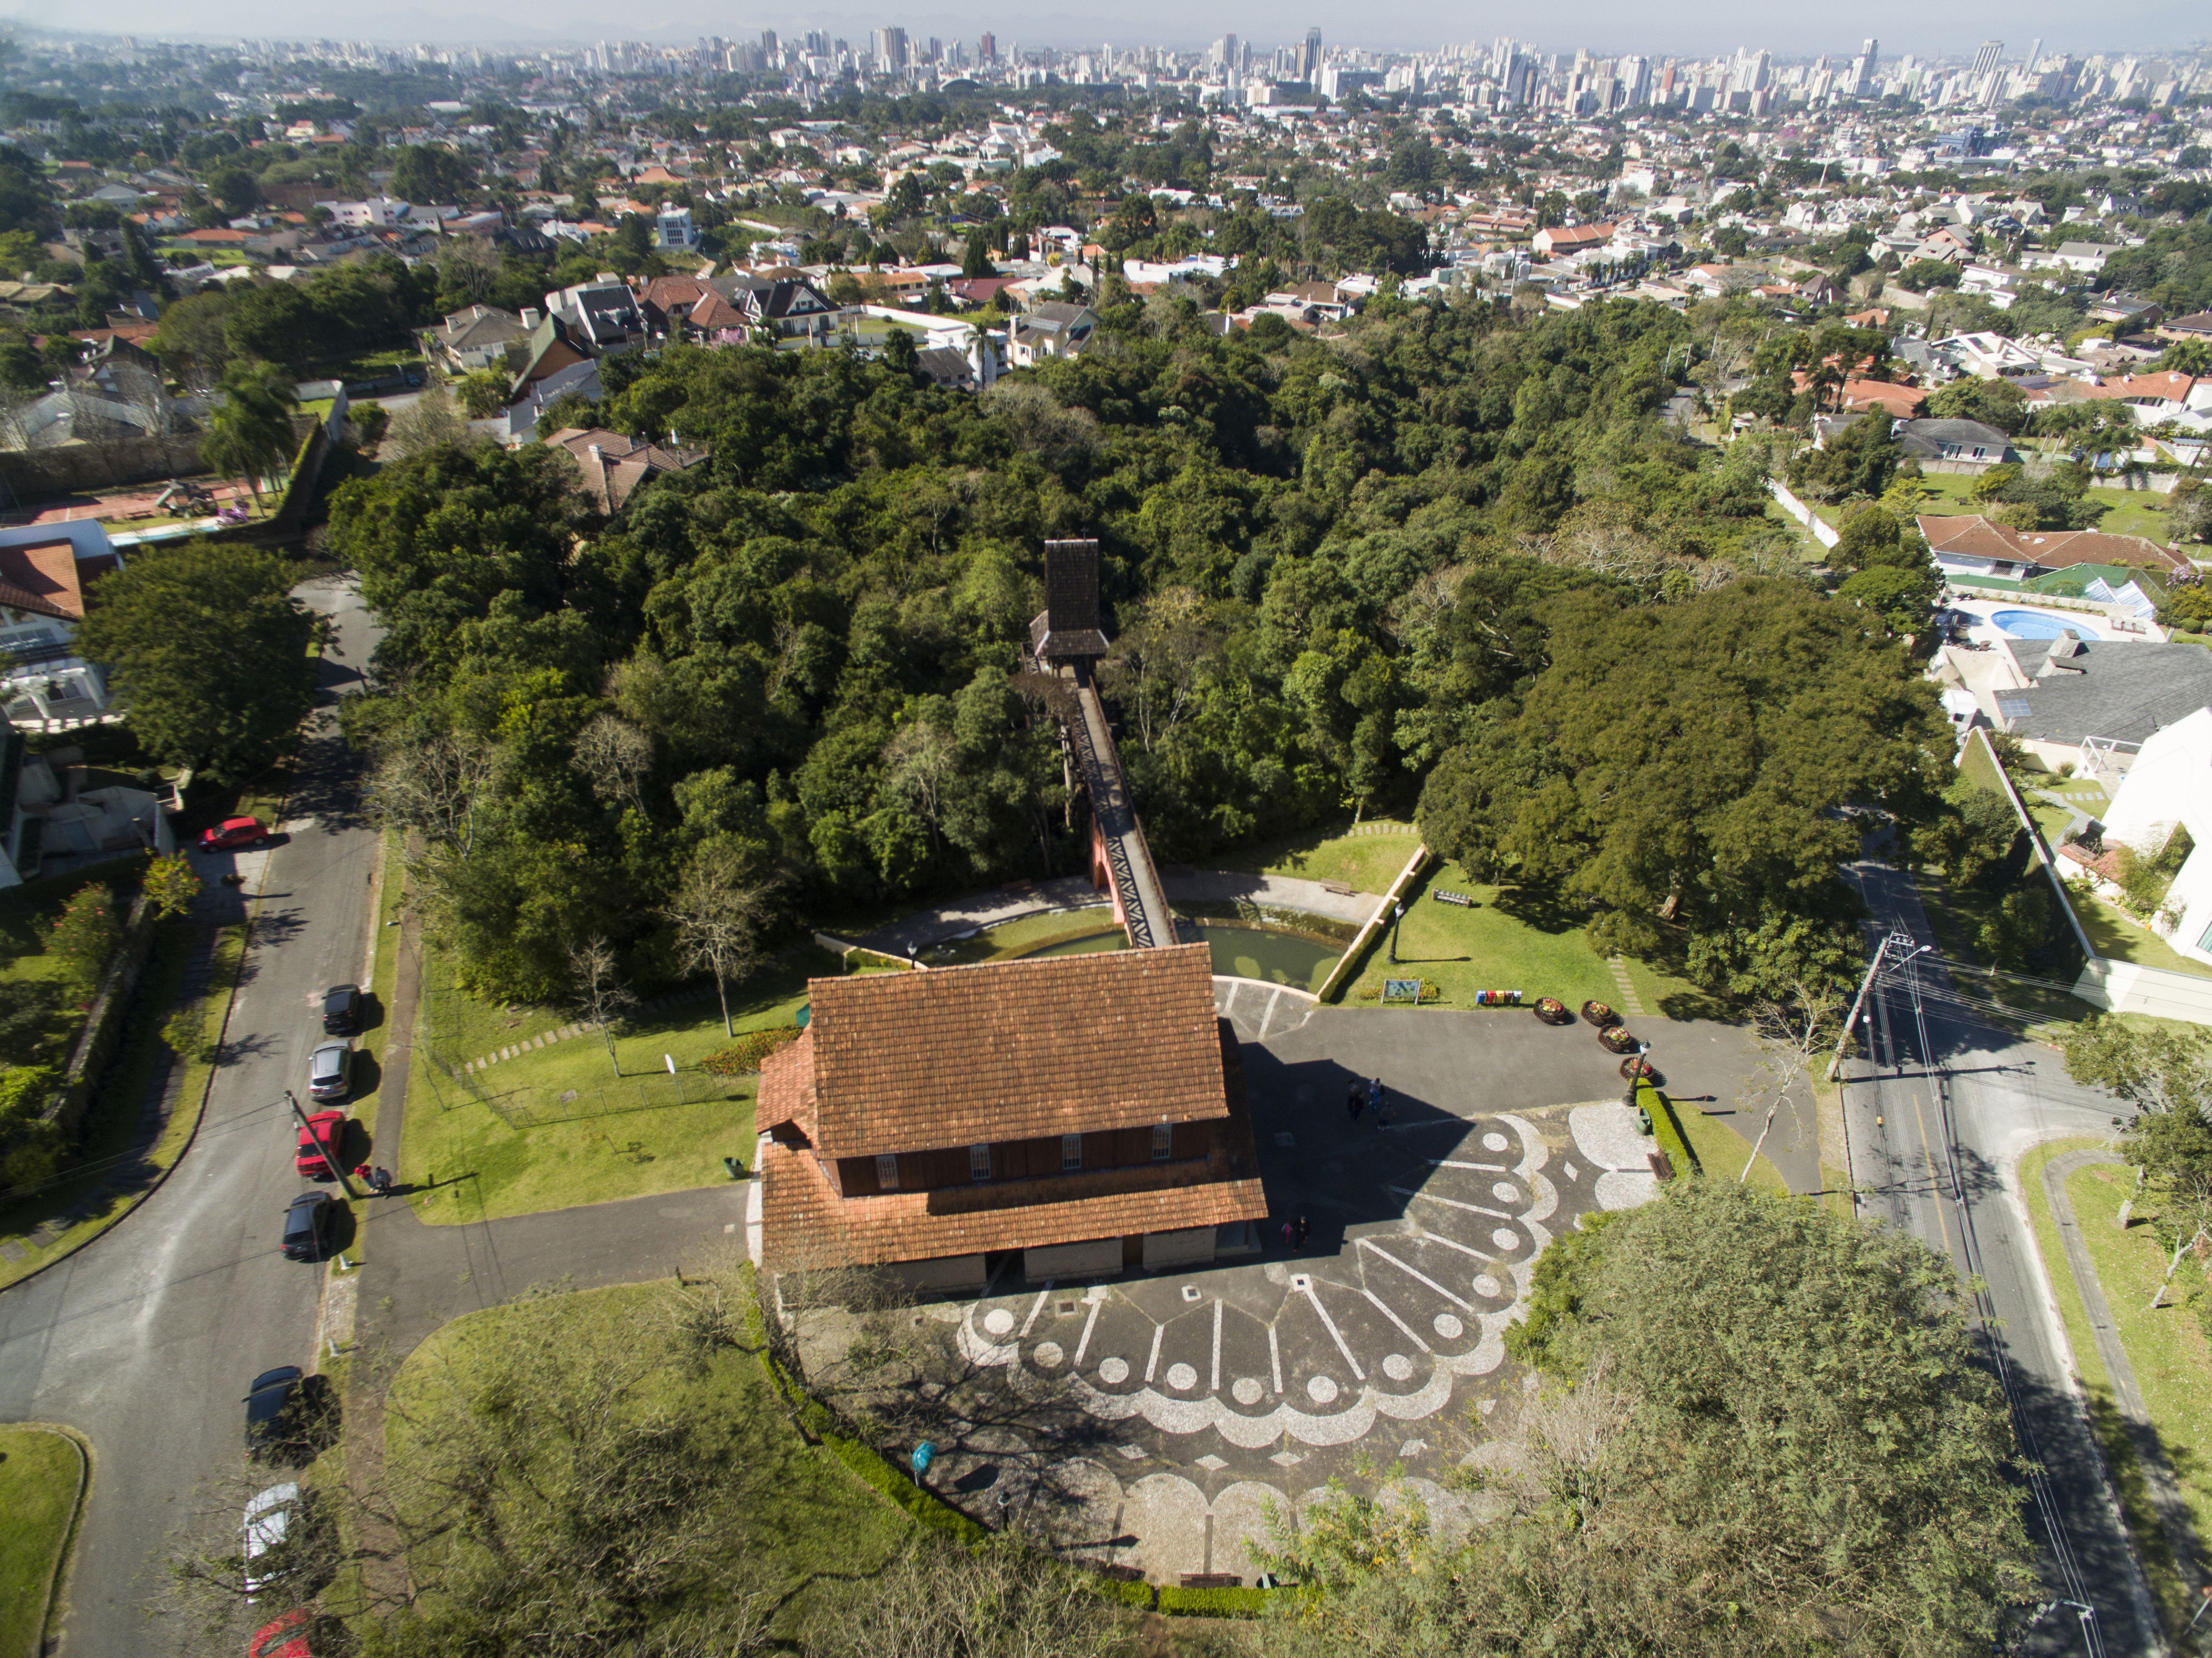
(1605, 30)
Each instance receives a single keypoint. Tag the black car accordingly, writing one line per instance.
(307, 1226)
(342, 1010)
(269, 1409)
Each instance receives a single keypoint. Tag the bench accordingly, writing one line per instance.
(1465, 901)
(1211, 1579)
(1342, 890)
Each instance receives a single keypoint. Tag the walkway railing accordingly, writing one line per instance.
(1137, 893)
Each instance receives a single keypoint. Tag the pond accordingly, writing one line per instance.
(1243, 953)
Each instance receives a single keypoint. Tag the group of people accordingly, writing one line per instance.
(378, 1180)
(1369, 1096)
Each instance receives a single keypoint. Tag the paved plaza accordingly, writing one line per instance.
(1203, 1396)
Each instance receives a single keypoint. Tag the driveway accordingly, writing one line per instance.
(144, 1340)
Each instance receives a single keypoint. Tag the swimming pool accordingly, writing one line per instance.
(2034, 625)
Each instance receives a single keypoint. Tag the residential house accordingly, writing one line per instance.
(2166, 788)
(2087, 258)
(1055, 329)
(673, 231)
(2197, 326)
(482, 337)
(1560, 242)
(1969, 544)
(602, 316)
(529, 407)
(48, 818)
(1066, 1117)
(1990, 356)
(2156, 398)
(2077, 695)
(614, 466)
(2124, 308)
(787, 306)
(1966, 441)
(45, 571)
(552, 347)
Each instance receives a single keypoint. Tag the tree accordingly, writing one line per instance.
(600, 998)
(207, 648)
(2158, 1069)
(1857, 461)
(2174, 1151)
(84, 938)
(1901, 598)
(1997, 403)
(719, 922)
(1804, 1456)
(976, 261)
(172, 885)
(431, 173)
(250, 433)
(484, 394)
(430, 422)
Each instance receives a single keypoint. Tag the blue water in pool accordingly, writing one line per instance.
(2033, 624)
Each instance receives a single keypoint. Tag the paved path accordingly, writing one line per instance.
(2150, 1451)
(960, 917)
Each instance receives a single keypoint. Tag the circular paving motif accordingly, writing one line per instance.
(1114, 1372)
(1182, 1378)
(1322, 1390)
(1398, 1367)
(1505, 1191)
(1496, 1142)
(1048, 1353)
(1450, 1328)
(1246, 1390)
(1486, 1284)
(1505, 1237)
(997, 1321)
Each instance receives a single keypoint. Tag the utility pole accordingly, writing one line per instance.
(329, 1154)
(1901, 942)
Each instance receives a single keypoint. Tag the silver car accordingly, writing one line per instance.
(330, 1071)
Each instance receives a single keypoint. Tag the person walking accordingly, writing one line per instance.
(381, 1180)
(1375, 1092)
(1303, 1231)
(1355, 1100)
(1290, 1236)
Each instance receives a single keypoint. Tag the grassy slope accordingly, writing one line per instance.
(2175, 1378)
(802, 1510)
(39, 1471)
(587, 1158)
(1368, 863)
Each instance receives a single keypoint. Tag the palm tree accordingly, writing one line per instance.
(250, 433)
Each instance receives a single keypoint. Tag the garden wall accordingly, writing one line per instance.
(1366, 936)
(2130, 987)
(103, 1026)
(35, 474)
(1805, 515)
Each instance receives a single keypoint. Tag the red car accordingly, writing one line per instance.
(285, 1638)
(233, 832)
(325, 1130)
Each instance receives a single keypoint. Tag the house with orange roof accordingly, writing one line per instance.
(1068, 1117)
(45, 570)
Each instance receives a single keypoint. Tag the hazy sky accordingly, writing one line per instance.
(1605, 26)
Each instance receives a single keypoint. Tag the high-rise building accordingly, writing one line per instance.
(769, 44)
(1310, 58)
(987, 47)
(891, 49)
(1635, 76)
(818, 43)
(1224, 53)
(1986, 58)
(1862, 77)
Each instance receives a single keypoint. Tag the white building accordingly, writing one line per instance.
(44, 572)
(2169, 787)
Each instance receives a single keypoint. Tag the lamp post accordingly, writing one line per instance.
(1397, 914)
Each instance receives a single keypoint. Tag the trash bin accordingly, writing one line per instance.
(736, 1169)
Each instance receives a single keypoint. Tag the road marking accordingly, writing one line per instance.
(1089, 1324)
(1486, 1168)
(1159, 1335)
(1215, 1385)
(1941, 1224)
(1472, 1208)
(1275, 1359)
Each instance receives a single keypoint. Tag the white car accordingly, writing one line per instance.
(267, 1524)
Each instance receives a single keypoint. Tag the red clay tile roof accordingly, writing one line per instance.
(1969, 535)
(43, 577)
(1015, 1050)
(804, 1224)
(787, 1087)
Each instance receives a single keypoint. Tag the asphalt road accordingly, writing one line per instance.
(1944, 1105)
(145, 1340)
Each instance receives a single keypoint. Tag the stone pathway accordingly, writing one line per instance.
(1630, 1002)
(2174, 1518)
(568, 1032)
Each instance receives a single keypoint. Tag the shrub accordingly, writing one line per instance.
(1666, 1129)
(30, 1150)
(1212, 1603)
(745, 1055)
(85, 936)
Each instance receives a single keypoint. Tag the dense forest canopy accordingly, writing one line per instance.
(1335, 568)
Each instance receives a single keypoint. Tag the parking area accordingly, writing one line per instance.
(1376, 1350)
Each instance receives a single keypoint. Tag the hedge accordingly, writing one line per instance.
(925, 1506)
(1177, 1602)
(743, 1057)
(1667, 1129)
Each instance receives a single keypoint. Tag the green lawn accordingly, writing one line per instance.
(1368, 862)
(508, 1143)
(2167, 1349)
(2134, 512)
(1509, 940)
(41, 1471)
(2117, 935)
(1724, 1152)
(790, 1507)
